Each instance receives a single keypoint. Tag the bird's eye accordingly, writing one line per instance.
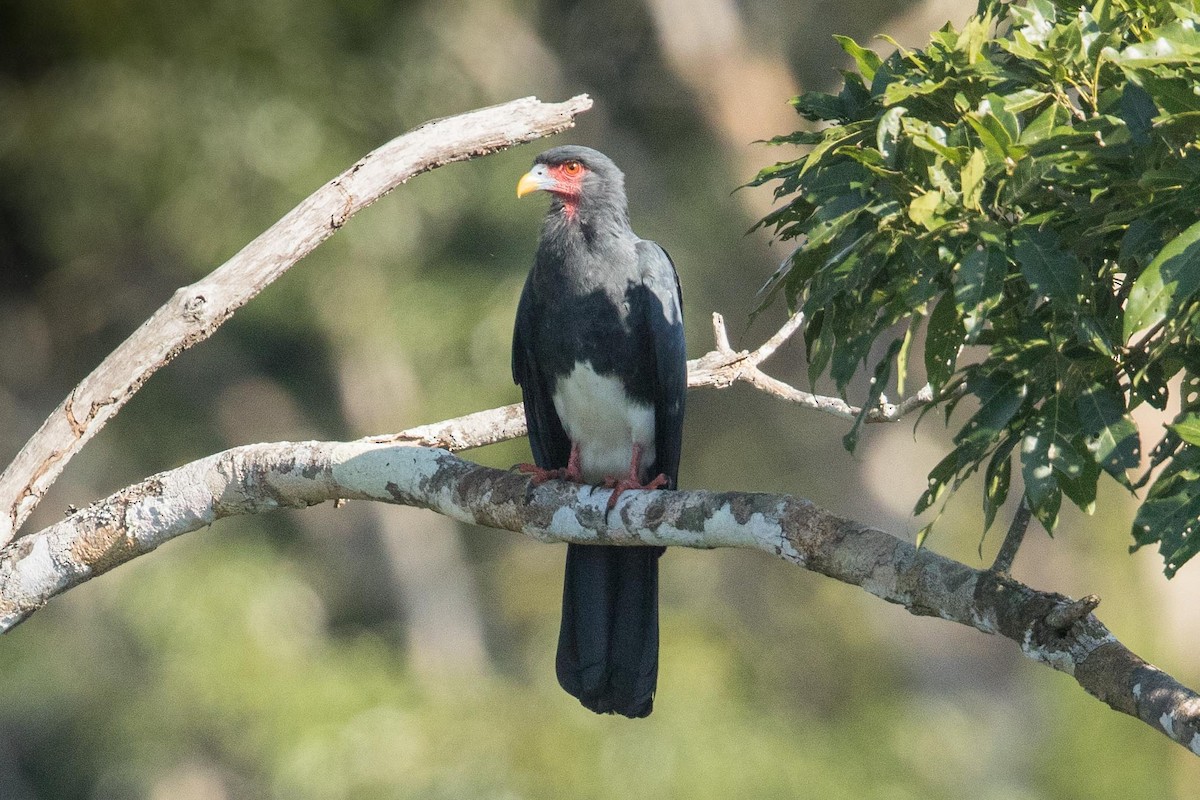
(572, 168)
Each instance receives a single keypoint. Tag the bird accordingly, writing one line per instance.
(599, 354)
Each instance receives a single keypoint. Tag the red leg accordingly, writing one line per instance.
(633, 480)
(571, 472)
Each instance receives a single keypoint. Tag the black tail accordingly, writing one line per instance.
(608, 643)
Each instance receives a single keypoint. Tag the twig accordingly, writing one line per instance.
(1012, 540)
(723, 367)
(1049, 628)
(195, 311)
(1066, 614)
(719, 368)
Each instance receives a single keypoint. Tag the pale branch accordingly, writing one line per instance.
(194, 312)
(1049, 628)
(719, 368)
(724, 366)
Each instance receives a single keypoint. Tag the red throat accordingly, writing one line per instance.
(568, 189)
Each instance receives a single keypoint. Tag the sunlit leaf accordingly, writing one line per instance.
(1188, 428)
(1171, 278)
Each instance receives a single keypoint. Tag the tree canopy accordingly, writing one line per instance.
(1017, 206)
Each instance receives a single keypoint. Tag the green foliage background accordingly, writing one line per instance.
(332, 654)
(1025, 193)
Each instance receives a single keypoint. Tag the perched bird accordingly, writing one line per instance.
(598, 352)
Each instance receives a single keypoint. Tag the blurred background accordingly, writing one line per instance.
(384, 652)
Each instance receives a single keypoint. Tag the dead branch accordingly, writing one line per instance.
(194, 312)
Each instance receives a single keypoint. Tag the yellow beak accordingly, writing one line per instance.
(528, 184)
(536, 180)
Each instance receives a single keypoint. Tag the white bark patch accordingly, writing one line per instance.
(37, 574)
(1167, 721)
(566, 522)
(1194, 745)
(760, 531)
(1064, 659)
(982, 620)
(1137, 691)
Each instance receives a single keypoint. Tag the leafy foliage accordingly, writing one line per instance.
(1026, 191)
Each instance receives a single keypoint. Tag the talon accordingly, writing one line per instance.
(619, 486)
(572, 472)
(538, 476)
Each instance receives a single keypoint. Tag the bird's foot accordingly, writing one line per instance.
(619, 485)
(538, 476)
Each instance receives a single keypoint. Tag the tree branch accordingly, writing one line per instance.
(722, 367)
(719, 369)
(1049, 628)
(196, 311)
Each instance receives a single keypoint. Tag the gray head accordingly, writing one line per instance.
(581, 181)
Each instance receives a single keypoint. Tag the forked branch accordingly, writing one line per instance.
(719, 368)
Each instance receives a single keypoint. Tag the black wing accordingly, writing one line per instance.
(549, 442)
(663, 319)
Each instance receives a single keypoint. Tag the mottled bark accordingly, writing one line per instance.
(1049, 628)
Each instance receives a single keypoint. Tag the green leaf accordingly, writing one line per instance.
(1171, 279)
(972, 179)
(1037, 19)
(820, 107)
(1050, 270)
(921, 210)
(903, 355)
(1188, 428)
(939, 478)
(867, 60)
(943, 339)
(1048, 447)
(1171, 513)
(978, 283)
(1081, 488)
(887, 136)
(1110, 435)
(1000, 395)
(879, 381)
(996, 481)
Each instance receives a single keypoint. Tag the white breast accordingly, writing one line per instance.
(600, 417)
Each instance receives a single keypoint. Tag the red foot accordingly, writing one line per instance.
(572, 472)
(630, 482)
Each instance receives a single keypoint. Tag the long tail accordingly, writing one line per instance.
(608, 642)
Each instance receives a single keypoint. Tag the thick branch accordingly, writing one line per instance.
(1049, 628)
(196, 311)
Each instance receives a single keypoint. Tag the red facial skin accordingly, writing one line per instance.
(568, 184)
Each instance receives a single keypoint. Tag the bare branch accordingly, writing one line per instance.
(1049, 628)
(719, 368)
(723, 367)
(196, 311)
(466, 432)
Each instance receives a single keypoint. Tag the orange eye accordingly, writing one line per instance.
(572, 168)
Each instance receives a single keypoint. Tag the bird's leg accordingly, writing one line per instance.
(572, 472)
(633, 479)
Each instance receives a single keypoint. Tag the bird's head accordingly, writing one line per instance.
(577, 177)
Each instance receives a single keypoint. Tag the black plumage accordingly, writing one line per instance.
(598, 351)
